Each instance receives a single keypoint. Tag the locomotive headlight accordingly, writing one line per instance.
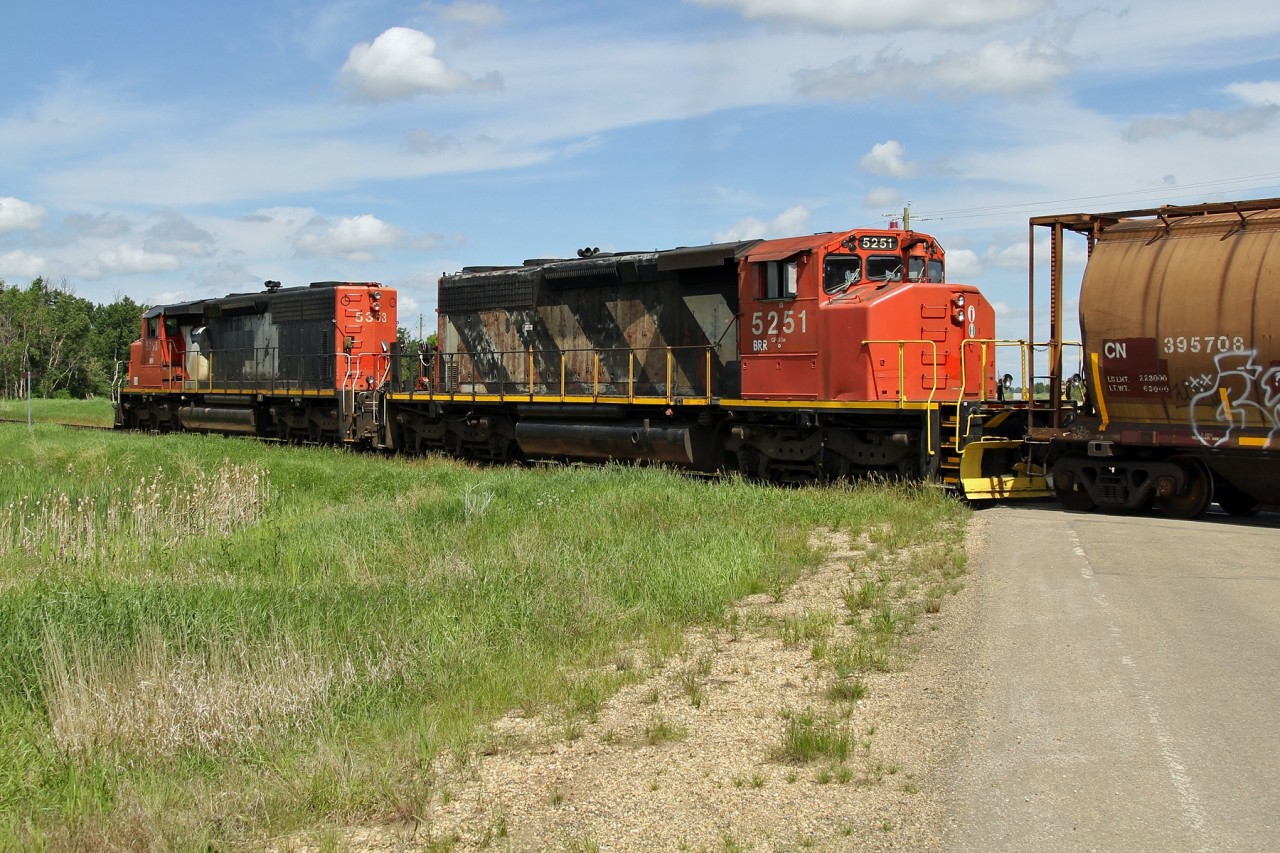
(959, 300)
(377, 294)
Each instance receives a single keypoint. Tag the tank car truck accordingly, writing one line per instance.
(1179, 315)
(298, 364)
(791, 360)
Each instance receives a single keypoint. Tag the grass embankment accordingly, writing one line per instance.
(97, 412)
(208, 640)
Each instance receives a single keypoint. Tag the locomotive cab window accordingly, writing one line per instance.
(936, 275)
(915, 269)
(778, 279)
(153, 327)
(884, 268)
(840, 272)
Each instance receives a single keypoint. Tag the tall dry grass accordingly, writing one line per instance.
(155, 513)
(160, 701)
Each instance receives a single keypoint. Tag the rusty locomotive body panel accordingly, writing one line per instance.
(657, 324)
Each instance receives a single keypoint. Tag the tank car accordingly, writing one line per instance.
(1181, 361)
(301, 363)
(795, 359)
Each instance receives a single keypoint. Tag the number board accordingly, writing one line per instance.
(878, 242)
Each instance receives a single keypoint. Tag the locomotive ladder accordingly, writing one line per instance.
(948, 453)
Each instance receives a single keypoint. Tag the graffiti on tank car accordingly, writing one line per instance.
(1240, 395)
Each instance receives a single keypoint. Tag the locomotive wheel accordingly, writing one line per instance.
(1233, 501)
(1198, 495)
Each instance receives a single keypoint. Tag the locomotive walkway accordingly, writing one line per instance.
(1122, 686)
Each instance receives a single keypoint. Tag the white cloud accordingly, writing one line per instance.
(21, 265)
(177, 235)
(864, 15)
(1215, 124)
(353, 238)
(106, 225)
(789, 223)
(1030, 65)
(882, 197)
(888, 159)
(1263, 93)
(126, 260)
(997, 68)
(401, 63)
(475, 14)
(19, 215)
(962, 265)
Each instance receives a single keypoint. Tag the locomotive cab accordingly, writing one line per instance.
(156, 358)
(865, 315)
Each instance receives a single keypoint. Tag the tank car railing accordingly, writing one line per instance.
(989, 349)
(636, 373)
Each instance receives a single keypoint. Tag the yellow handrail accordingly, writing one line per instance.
(902, 343)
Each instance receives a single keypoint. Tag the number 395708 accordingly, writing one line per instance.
(1203, 343)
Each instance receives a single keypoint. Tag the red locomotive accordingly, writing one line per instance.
(796, 359)
(302, 363)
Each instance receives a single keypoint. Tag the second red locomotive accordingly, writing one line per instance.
(303, 363)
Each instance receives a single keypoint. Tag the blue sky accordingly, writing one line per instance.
(167, 151)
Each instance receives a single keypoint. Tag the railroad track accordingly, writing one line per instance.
(23, 421)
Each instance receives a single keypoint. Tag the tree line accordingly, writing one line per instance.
(69, 344)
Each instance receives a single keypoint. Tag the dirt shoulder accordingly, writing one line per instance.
(689, 756)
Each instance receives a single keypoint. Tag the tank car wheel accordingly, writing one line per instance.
(1198, 495)
(1073, 499)
(1235, 502)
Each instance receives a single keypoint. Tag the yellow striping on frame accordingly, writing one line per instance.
(724, 402)
(236, 392)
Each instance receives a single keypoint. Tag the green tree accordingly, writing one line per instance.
(68, 343)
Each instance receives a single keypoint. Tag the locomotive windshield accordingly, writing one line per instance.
(884, 268)
(841, 271)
